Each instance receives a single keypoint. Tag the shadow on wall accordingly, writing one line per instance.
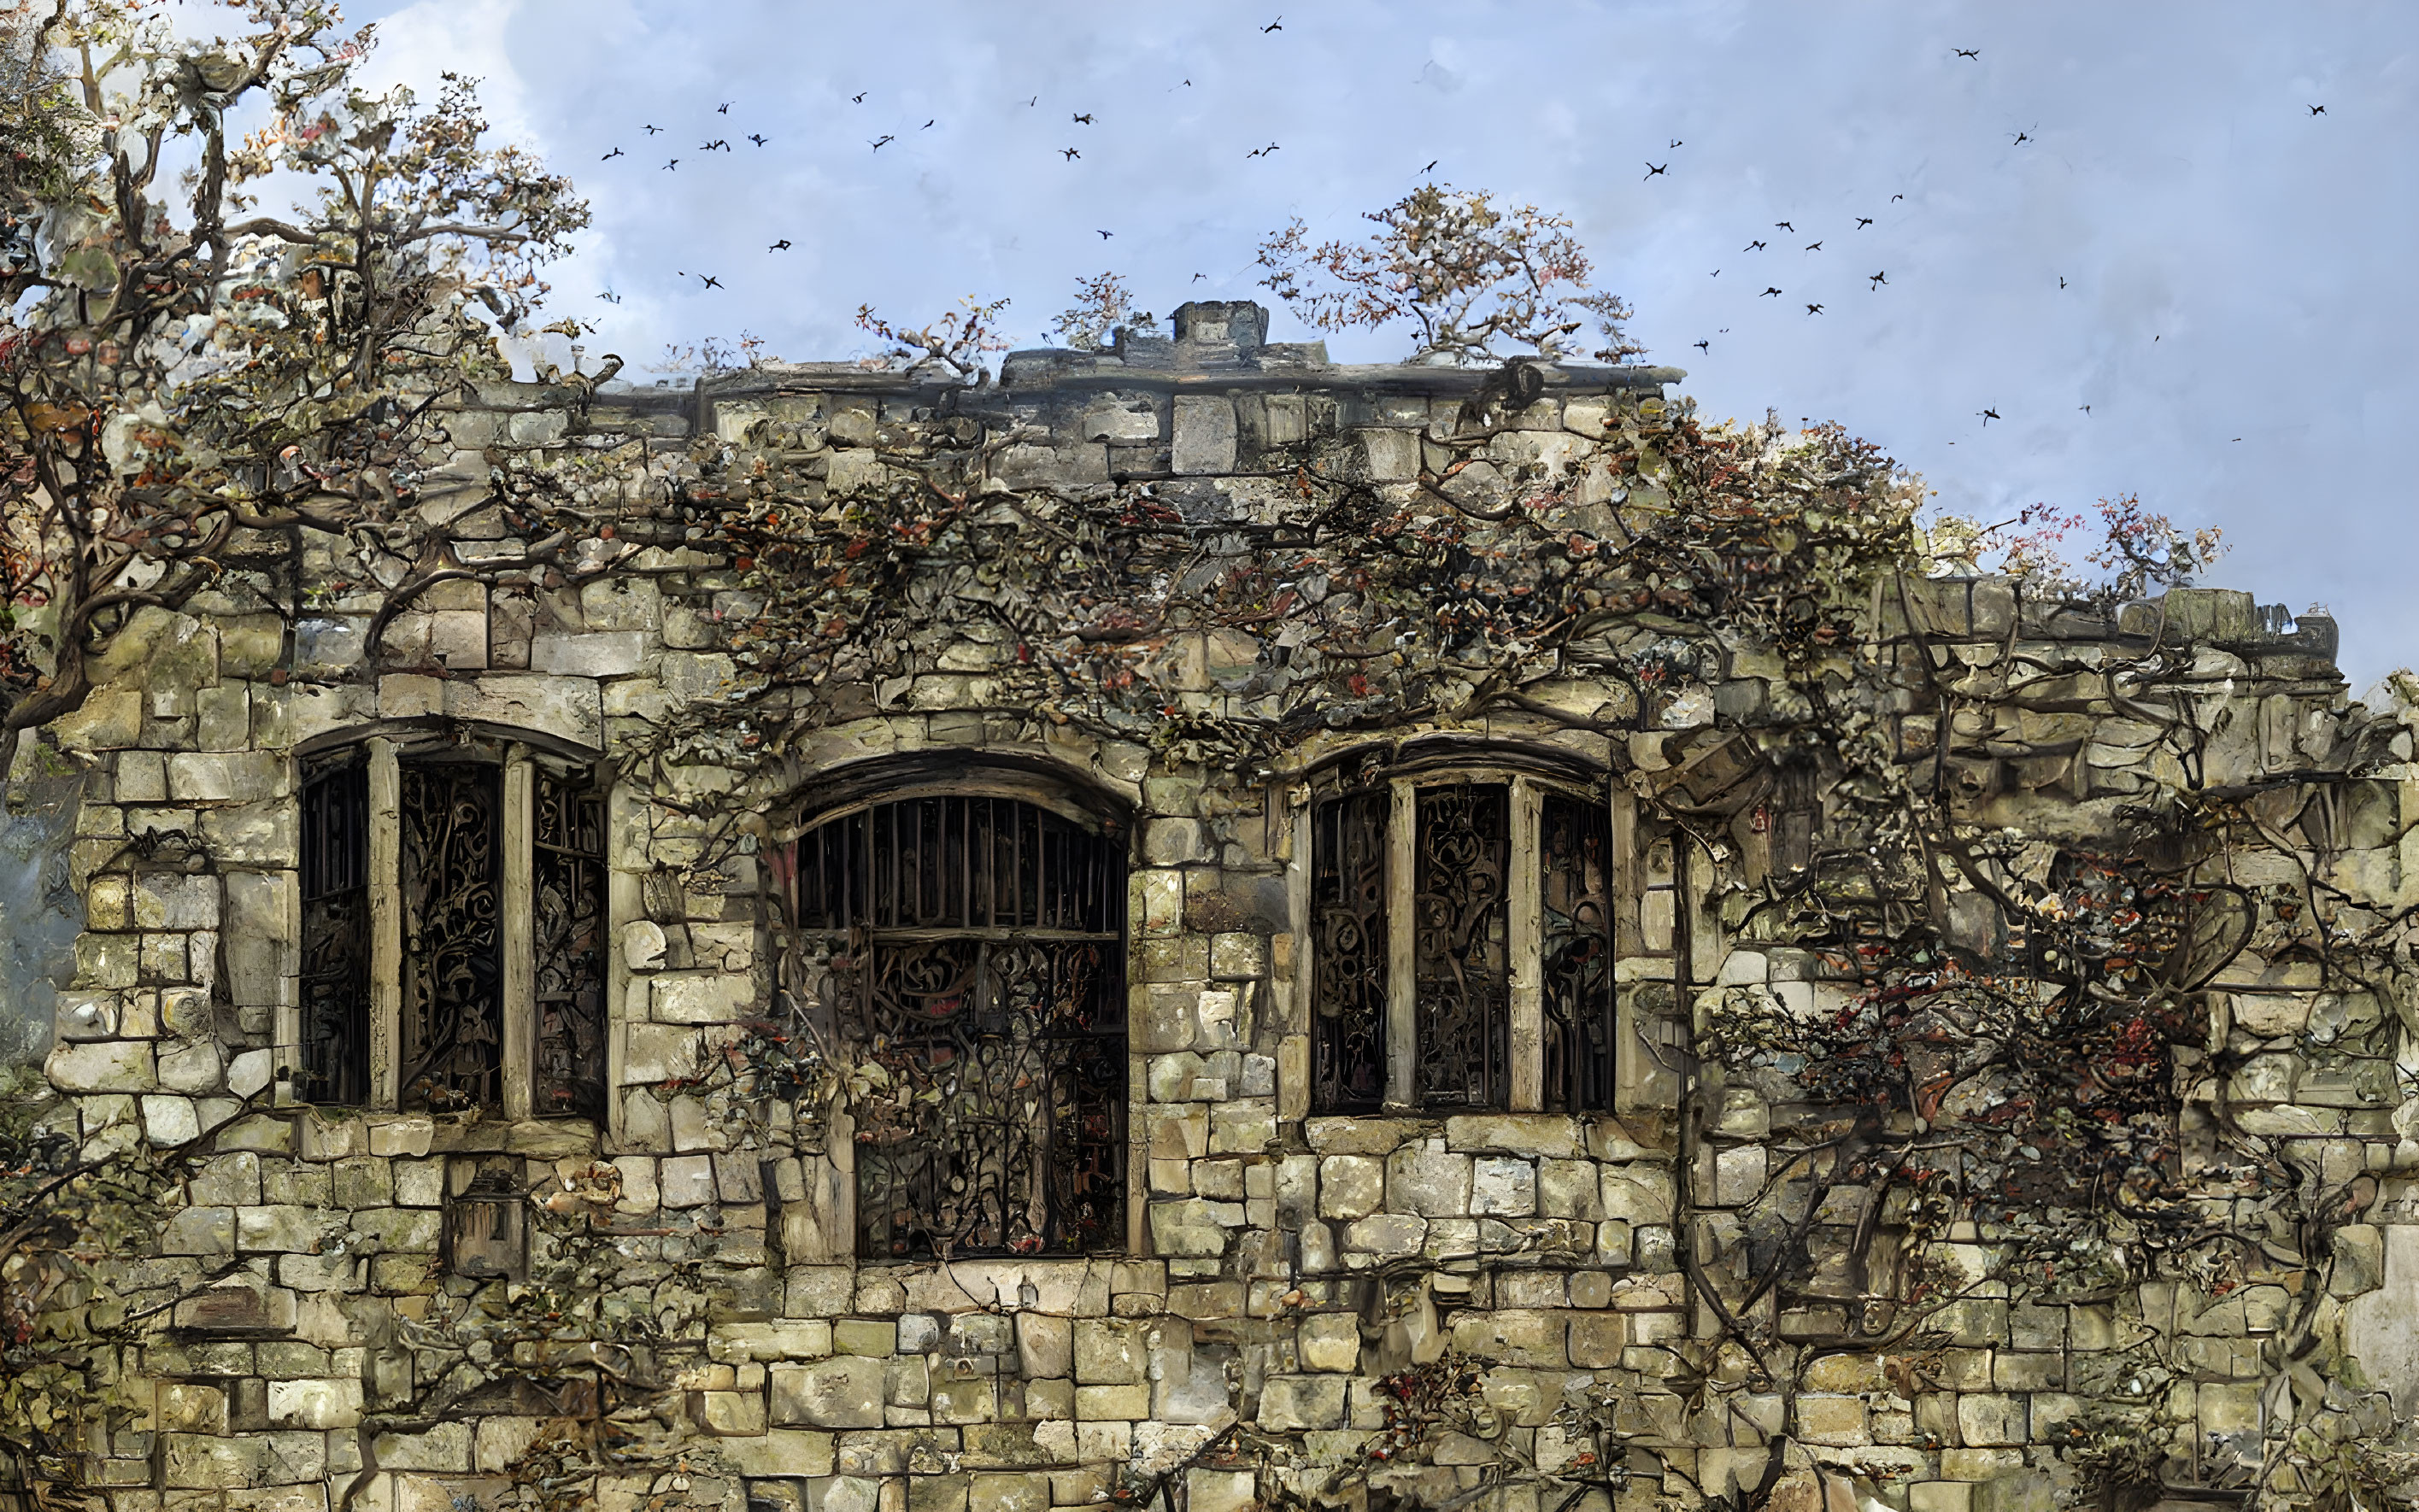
(39, 915)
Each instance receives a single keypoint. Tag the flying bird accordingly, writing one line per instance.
(1784, 226)
(886, 137)
(674, 163)
(1431, 167)
(1813, 246)
(716, 144)
(2086, 408)
(1879, 279)
(1974, 53)
(610, 156)
(1675, 142)
(1105, 234)
(1033, 101)
(1752, 246)
(723, 109)
(1988, 416)
(1084, 119)
(1198, 277)
(1814, 309)
(928, 125)
(782, 245)
(1864, 220)
(609, 297)
(1651, 170)
(1276, 25)
(2318, 110)
(857, 99)
(710, 282)
(654, 129)
(1071, 153)
(1716, 273)
(1895, 198)
(1769, 294)
(2021, 139)
(758, 138)
(2061, 281)
(1702, 346)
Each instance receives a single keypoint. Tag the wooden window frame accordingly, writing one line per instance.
(518, 756)
(1527, 789)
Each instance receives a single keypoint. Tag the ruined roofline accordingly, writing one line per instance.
(1217, 345)
(1079, 372)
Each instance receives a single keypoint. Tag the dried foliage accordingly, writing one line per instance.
(1103, 306)
(952, 345)
(1482, 284)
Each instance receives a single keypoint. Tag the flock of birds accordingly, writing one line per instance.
(1875, 280)
(1069, 154)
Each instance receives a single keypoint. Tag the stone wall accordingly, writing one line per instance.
(1288, 1278)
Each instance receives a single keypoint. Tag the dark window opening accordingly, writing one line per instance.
(1348, 953)
(982, 943)
(1461, 950)
(1576, 907)
(567, 931)
(1459, 940)
(335, 1050)
(452, 970)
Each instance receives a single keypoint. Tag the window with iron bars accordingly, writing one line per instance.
(980, 947)
(453, 927)
(1461, 946)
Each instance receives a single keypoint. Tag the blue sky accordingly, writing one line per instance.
(2234, 267)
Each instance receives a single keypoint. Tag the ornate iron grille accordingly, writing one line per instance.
(567, 905)
(1575, 842)
(981, 940)
(1349, 946)
(1461, 948)
(453, 977)
(336, 935)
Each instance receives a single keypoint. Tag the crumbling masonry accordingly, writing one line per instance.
(580, 1079)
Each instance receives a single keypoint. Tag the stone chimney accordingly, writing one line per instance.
(1218, 333)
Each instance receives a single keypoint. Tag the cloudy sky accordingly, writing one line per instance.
(2178, 243)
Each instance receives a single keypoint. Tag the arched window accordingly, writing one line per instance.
(980, 945)
(1461, 940)
(454, 927)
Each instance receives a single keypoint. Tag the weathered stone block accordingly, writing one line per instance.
(1330, 1341)
(1293, 1403)
(1108, 1352)
(102, 1067)
(1427, 1180)
(1503, 1185)
(1596, 1340)
(1007, 1491)
(843, 1392)
(1989, 1419)
(1205, 433)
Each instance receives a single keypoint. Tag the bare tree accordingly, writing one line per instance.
(954, 344)
(1103, 306)
(1482, 282)
(185, 379)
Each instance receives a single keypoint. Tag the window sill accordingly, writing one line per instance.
(1553, 1136)
(449, 1134)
